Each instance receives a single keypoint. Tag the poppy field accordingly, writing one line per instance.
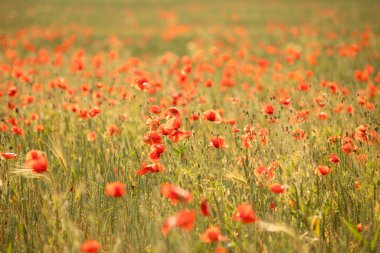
(189, 126)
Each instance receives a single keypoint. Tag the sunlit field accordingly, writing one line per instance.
(189, 126)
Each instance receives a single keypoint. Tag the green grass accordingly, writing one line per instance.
(58, 210)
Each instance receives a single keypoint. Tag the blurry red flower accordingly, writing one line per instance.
(269, 109)
(212, 234)
(322, 170)
(176, 194)
(205, 208)
(156, 150)
(277, 188)
(90, 246)
(218, 142)
(183, 219)
(333, 158)
(115, 189)
(8, 155)
(152, 168)
(36, 161)
(213, 116)
(245, 214)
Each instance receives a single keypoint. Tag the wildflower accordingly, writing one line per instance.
(176, 194)
(183, 219)
(245, 214)
(205, 208)
(212, 234)
(218, 142)
(213, 116)
(36, 160)
(90, 246)
(152, 137)
(152, 168)
(333, 158)
(8, 155)
(156, 150)
(322, 170)
(269, 109)
(115, 189)
(277, 188)
(91, 136)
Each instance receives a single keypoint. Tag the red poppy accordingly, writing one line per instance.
(218, 142)
(152, 137)
(333, 158)
(171, 125)
(176, 194)
(37, 161)
(115, 189)
(269, 109)
(277, 188)
(8, 155)
(322, 170)
(12, 91)
(205, 208)
(91, 136)
(212, 234)
(113, 129)
(156, 150)
(90, 246)
(245, 214)
(152, 168)
(298, 134)
(213, 116)
(183, 219)
(264, 172)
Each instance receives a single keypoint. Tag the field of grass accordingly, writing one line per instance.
(189, 126)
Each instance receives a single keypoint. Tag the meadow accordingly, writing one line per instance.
(189, 126)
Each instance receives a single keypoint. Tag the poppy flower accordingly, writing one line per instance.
(17, 130)
(277, 188)
(152, 168)
(213, 116)
(113, 129)
(173, 112)
(298, 134)
(212, 234)
(90, 246)
(37, 161)
(285, 100)
(156, 150)
(91, 136)
(171, 125)
(178, 135)
(218, 142)
(183, 219)
(12, 91)
(8, 155)
(269, 109)
(359, 227)
(265, 172)
(205, 208)
(115, 189)
(176, 194)
(333, 158)
(348, 145)
(245, 214)
(322, 170)
(220, 249)
(152, 137)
